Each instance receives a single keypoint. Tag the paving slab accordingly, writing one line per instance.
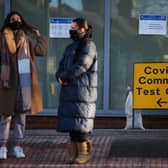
(112, 149)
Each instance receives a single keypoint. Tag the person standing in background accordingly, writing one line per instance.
(77, 76)
(19, 88)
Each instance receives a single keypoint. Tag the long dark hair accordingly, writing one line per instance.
(82, 23)
(27, 28)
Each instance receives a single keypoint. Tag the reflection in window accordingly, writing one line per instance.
(74, 4)
(53, 3)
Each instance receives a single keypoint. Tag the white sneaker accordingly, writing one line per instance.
(3, 153)
(18, 152)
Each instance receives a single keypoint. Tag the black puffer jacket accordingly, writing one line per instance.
(77, 104)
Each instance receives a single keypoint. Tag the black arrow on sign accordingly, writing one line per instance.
(160, 102)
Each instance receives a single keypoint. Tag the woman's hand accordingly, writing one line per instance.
(20, 42)
(37, 32)
(61, 82)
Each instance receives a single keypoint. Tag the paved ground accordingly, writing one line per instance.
(112, 149)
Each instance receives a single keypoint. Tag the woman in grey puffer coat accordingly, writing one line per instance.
(77, 75)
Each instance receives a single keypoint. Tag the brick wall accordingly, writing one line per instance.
(49, 122)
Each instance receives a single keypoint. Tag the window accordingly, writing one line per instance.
(128, 47)
(95, 16)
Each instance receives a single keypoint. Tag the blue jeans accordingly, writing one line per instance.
(18, 128)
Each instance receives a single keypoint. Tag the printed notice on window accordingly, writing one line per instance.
(59, 27)
(152, 25)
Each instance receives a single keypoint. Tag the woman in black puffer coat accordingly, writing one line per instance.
(77, 76)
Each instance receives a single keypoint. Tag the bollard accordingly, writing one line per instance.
(133, 117)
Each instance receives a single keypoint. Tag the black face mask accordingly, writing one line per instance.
(75, 36)
(15, 25)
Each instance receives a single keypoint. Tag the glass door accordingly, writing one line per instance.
(72, 9)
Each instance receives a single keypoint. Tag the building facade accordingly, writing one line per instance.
(115, 24)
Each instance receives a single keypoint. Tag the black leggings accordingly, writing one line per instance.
(78, 136)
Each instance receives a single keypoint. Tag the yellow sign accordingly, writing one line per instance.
(150, 86)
